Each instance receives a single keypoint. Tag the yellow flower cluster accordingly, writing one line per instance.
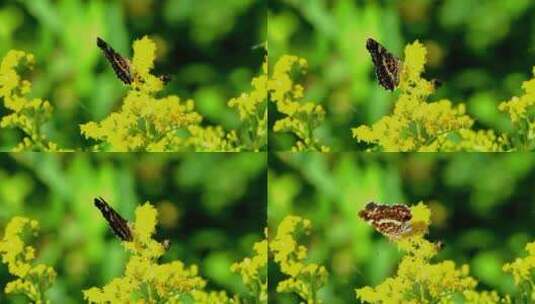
(145, 122)
(521, 112)
(144, 279)
(418, 280)
(415, 124)
(301, 118)
(470, 140)
(142, 63)
(33, 280)
(484, 297)
(304, 278)
(252, 108)
(418, 125)
(212, 297)
(522, 270)
(210, 138)
(27, 114)
(253, 271)
(519, 108)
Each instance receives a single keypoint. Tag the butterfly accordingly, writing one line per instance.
(121, 66)
(117, 223)
(387, 66)
(393, 221)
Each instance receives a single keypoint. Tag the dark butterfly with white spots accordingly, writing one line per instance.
(121, 66)
(117, 223)
(387, 66)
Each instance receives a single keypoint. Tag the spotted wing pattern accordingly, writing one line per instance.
(387, 66)
(116, 222)
(120, 65)
(393, 221)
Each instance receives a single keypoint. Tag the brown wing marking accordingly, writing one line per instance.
(387, 66)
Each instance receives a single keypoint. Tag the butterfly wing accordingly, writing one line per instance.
(387, 66)
(392, 221)
(120, 65)
(116, 222)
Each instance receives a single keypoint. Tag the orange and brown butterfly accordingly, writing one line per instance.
(393, 221)
(121, 66)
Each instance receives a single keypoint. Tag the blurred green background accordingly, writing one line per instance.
(211, 219)
(482, 50)
(205, 46)
(482, 209)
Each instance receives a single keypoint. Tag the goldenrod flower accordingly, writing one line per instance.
(144, 277)
(213, 297)
(522, 270)
(521, 113)
(253, 271)
(142, 63)
(148, 123)
(144, 123)
(33, 279)
(419, 125)
(484, 297)
(206, 139)
(145, 280)
(29, 115)
(470, 140)
(252, 108)
(301, 118)
(304, 278)
(417, 279)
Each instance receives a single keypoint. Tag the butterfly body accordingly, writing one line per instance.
(116, 222)
(393, 221)
(387, 66)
